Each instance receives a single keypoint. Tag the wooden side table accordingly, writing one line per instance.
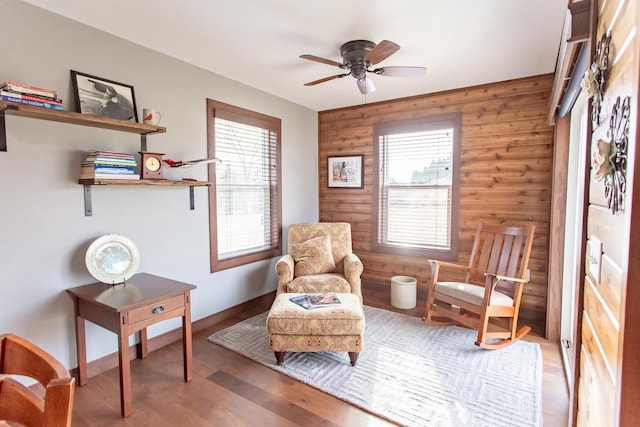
(128, 308)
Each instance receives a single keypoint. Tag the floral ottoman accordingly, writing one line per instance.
(332, 328)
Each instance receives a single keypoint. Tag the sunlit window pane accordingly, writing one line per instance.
(247, 202)
(416, 188)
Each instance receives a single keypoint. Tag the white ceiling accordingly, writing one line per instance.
(258, 42)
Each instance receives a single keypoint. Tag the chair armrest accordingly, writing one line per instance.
(353, 269)
(449, 264)
(284, 268)
(492, 283)
(352, 265)
(435, 270)
(505, 278)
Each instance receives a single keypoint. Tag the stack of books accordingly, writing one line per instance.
(30, 95)
(109, 165)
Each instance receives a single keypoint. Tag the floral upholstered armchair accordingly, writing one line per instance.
(320, 259)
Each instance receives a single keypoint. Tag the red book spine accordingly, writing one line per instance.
(17, 86)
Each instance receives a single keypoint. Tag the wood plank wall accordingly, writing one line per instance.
(603, 302)
(506, 172)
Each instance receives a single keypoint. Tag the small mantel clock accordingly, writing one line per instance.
(151, 165)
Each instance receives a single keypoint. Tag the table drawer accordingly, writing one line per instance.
(155, 309)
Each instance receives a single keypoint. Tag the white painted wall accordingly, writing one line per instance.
(43, 231)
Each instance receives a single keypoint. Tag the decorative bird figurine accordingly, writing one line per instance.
(180, 163)
(178, 168)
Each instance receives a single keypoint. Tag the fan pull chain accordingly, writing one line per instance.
(364, 109)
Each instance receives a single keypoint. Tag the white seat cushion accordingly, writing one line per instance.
(473, 294)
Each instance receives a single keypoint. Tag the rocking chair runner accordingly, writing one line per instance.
(492, 287)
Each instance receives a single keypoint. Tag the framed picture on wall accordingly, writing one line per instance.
(103, 97)
(345, 172)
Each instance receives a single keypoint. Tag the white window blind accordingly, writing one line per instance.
(415, 188)
(246, 188)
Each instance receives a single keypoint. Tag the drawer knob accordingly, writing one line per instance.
(158, 309)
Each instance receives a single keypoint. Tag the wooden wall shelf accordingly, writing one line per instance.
(97, 122)
(78, 118)
(74, 118)
(157, 182)
(88, 183)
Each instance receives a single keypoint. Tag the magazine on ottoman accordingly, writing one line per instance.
(311, 301)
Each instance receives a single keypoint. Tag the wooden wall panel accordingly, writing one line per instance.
(609, 229)
(599, 386)
(605, 309)
(506, 168)
(604, 326)
(611, 286)
(591, 412)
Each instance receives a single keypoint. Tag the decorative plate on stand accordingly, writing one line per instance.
(112, 259)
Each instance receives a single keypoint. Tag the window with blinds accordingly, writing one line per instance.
(417, 189)
(245, 197)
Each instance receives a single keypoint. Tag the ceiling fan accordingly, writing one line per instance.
(358, 56)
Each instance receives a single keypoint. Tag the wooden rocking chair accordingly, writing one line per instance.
(488, 300)
(22, 405)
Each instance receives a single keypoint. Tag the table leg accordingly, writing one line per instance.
(142, 347)
(187, 354)
(81, 347)
(125, 370)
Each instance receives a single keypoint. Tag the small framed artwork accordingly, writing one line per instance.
(103, 97)
(345, 172)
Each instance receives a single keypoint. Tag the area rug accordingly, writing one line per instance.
(413, 374)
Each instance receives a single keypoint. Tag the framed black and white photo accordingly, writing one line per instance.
(103, 97)
(345, 172)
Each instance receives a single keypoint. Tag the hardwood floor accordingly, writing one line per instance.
(231, 390)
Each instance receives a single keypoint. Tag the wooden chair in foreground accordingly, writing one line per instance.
(20, 404)
(488, 298)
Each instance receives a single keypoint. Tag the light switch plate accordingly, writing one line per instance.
(594, 258)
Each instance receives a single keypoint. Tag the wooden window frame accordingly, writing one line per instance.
(244, 116)
(416, 125)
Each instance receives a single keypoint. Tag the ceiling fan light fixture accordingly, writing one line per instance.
(358, 56)
(366, 85)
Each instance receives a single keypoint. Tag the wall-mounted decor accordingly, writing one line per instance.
(595, 78)
(112, 259)
(345, 172)
(618, 133)
(609, 157)
(102, 97)
(600, 161)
